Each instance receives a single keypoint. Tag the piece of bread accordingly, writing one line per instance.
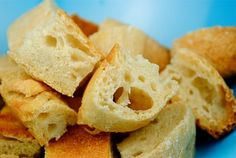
(171, 135)
(130, 38)
(6, 65)
(15, 139)
(216, 44)
(86, 26)
(52, 48)
(124, 94)
(78, 143)
(202, 88)
(38, 107)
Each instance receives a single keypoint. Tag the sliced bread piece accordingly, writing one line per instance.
(216, 44)
(202, 88)
(170, 135)
(38, 107)
(124, 94)
(52, 48)
(78, 143)
(15, 139)
(129, 38)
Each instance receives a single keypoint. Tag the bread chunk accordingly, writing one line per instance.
(124, 94)
(171, 134)
(130, 38)
(51, 48)
(203, 89)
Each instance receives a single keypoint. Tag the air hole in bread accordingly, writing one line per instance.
(187, 72)
(191, 92)
(138, 153)
(154, 86)
(118, 94)
(127, 77)
(75, 43)
(75, 57)
(70, 28)
(205, 108)
(43, 116)
(139, 100)
(51, 41)
(141, 78)
(51, 127)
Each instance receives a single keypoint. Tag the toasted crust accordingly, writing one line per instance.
(79, 143)
(129, 38)
(202, 88)
(216, 44)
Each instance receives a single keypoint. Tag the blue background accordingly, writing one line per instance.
(164, 20)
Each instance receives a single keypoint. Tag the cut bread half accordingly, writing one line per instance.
(77, 142)
(129, 38)
(170, 135)
(37, 106)
(51, 48)
(216, 44)
(124, 94)
(15, 139)
(202, 88)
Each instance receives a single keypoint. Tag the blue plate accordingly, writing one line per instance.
(164, 20)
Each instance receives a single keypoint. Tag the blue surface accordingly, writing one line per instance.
(164, 20)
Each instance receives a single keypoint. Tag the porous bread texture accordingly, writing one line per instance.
(203, 89)
(124, 94)
(77, 142)
(216, 44)
(170, 135)
(37, 106)
(130, 38)
(52, 49)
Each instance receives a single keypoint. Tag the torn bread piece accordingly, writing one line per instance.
(77, 142)
(216, 44)
(124, 94)
(202, 88)
(37, 106)
(171, 134)
(15, 139)
(51, 48)
(130, 38)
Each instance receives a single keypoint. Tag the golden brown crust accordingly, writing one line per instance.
(216, 44)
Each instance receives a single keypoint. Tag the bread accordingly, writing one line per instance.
(6, 65)
(38, 107)
(171, 135)
(202, 88)
(124, 94)
(86, 26)
(77, 143)
(216, 44)
(130, 38)
(51, 48)
(15, 140)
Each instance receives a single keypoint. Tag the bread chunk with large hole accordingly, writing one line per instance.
(51, 48)
(38, 107)
(128, 37)
(15, 139)
(202, 88)
(170, 135)
(124, 94)
(77, 142)
(216, 44)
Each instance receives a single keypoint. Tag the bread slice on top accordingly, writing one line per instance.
(202, 88)
(15, 139)
(51, 48)
(130, 38)
(124, 94)
(77, 142)
(170, 135)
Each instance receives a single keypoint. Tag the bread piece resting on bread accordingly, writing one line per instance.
(124, 94)
(203, 89)
(51, 48)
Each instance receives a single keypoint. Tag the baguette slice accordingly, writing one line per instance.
(124, 94)
(77, 143)
(130, 38)
(15, 140)
(171, 135)
(38, 107)
(202, 88)
(216, 44)
(52, 48)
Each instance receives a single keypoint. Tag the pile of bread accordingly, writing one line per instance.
(73, 89)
